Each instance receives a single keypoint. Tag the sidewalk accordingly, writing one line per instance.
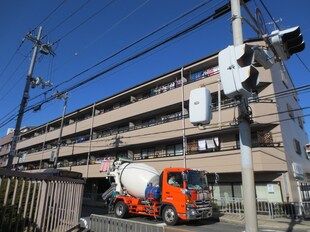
(263, 221)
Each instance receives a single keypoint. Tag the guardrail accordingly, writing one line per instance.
(232, 205)
(39, 201)
(99, 223)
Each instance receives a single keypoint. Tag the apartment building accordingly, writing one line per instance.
(5, 144)
(5, 147)
(145, 124)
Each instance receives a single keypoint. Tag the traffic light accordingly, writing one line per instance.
(200, 106)
(238, 75)
(287, 42)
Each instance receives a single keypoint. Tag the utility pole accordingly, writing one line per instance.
(65, 97)
(244, 135)
(183, 119)
(45, 48)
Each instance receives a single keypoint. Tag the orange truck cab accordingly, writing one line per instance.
(182, 194)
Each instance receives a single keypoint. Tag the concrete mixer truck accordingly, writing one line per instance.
(173, 195)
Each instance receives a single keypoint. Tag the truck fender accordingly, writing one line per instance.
(119, 198)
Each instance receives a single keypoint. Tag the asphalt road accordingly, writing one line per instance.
(210, 225)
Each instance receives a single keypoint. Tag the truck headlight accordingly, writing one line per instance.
(189, 206)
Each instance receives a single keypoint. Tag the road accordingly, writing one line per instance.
(210, 225)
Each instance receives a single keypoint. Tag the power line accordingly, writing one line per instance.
(195, 26)
(49, 15)
(12, 57)
(127, 60)
(115, 24)
(156, 134)
(4, 84)
(127, 47)
(82, 23)
(275, 23)
(67, 18)
(270, 16)
(187, 30)
(286, 92)
(303, 63)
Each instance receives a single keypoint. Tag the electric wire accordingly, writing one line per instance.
(215, 125)
(5, 94)
(155, 134)
(5, 82)
(288, 92)
(12, 57)
(131, 58)
(159, 49)
(269, 14)
(158, 134)
(275, 23)
(85, 21)
(115, 25)
(187, 30)
(67, 18)
(128, 46)
(283, 93)
(49, 15)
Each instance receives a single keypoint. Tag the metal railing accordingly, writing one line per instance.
(39, 201)
(99, 223)
(233, 205)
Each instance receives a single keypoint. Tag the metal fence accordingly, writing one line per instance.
(99, 223)
(39, 202)
(232, 205)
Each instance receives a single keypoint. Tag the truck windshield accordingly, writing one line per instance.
(197, 180)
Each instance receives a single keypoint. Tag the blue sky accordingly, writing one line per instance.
(101, 28)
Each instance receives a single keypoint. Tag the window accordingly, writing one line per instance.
(297, 147)
(171, 117)
(123, 129)
(176, 149)
(295, 95)
(254, 140)
(148, 122)
(170, 150)
(290, 111)
(308, 151)
(209, 144)
(147, 152)
(301, 122)
(284, 83)
(264, 138)
(122, 154)
(175, 179)
(204, 73)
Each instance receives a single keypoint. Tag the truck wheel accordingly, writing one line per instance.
(170, 215)
(121, 210)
